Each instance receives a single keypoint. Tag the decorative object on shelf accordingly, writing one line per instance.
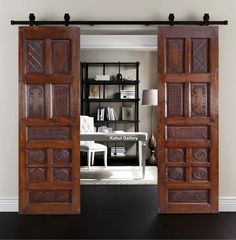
(127, 94)
(119, 75)
(150, 99)
(127, 113)
(93, 92)
(128, 79)
(105, 129)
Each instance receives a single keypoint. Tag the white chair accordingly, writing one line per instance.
(90, 147)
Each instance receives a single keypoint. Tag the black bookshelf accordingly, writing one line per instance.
(117, 85)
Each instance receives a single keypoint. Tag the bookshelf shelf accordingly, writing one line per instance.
(116, 121)
(110, 82)
(110, 100)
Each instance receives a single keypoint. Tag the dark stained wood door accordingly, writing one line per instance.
(49, 160)
(188, 119)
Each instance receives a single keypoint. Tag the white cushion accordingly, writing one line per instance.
(86, 125)
(92, 146)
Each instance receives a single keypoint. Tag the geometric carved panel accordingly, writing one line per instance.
(61, 100)
(36, 156)
(34, 56)
(175, 100)
(200, 55)
(61, 156)
(50, 196)
(61, 174)
(200, 174)
(200, 155)
(175, 55)
(61, 56)
(35, 101)
(176, 174)
(199, 99)
(47, 133)
(37, 174)
(176, 155)
(188, 196)
(188, 132)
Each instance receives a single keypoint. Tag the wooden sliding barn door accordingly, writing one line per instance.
(49, 167)
(188, 119)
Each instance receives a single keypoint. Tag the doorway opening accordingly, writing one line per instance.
(105, 56)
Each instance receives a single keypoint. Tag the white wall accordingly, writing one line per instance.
(114, 10)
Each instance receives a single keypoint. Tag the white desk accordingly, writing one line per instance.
(140, 137)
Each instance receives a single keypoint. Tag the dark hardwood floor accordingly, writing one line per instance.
(113, 212)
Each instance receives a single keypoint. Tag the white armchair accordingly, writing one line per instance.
(90, 147)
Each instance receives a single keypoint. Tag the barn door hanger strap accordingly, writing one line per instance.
(171, 21)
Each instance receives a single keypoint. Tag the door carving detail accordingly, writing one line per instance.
(175, 155)
(175, 55)
(35, 56)
(48, 133)
(37, 175)
(36, 100)
(199, 99)
(175, 102)
(200, 154)
(36, 156)
(61, 156)
(200, 55)
(188, 196)
(200, 174)
(49, 197)
(61, 174)
(176, 174)
(193, 132)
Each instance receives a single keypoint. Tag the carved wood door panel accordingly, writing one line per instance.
(49, 161)
(188, 119)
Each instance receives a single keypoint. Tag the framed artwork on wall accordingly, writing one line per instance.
(127, 113)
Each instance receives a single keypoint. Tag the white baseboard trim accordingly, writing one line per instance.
(226, 204)
(8, 204)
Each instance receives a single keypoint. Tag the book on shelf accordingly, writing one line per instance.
(118, 151)
(100, 114)
(107, 113)
(102, 78)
